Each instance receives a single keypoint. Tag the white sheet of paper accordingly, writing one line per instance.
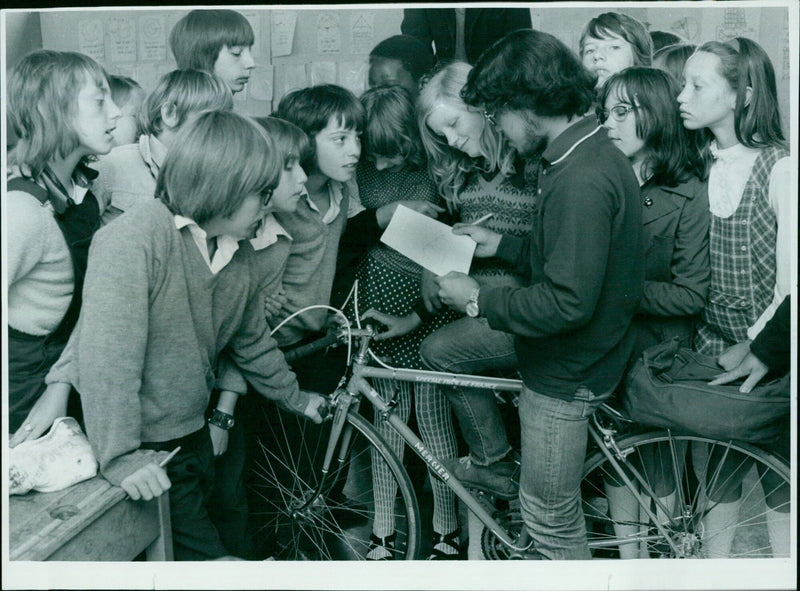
(428, 242)
(121, 38)
(152, 38)
(329, 34)
(282, 26)
(90, 39)
(363, 33)
(260, 85)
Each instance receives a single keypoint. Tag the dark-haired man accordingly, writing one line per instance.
(585, 271)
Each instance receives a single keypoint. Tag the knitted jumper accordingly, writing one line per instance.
(311, 264)
(513, 210)
(153, 323)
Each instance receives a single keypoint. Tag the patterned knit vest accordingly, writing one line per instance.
(742, 250)
(513, 210)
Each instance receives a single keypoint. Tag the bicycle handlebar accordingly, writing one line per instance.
(303, 350)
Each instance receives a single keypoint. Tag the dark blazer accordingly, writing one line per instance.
(675, 224)
(482, 27)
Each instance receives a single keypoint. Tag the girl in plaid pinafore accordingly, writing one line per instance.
(730, 96)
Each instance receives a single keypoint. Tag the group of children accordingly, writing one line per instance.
(147, 278)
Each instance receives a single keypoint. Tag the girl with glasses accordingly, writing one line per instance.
(637, 107)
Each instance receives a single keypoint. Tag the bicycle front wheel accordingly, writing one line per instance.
(301, 520)
(684, 479)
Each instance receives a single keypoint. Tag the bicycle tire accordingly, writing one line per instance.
(338, 524)
(692, 485)
(750, 538)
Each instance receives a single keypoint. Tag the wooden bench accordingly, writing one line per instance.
(91, 520)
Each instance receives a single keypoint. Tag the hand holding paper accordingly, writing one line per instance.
(486, 241)
(428, 242)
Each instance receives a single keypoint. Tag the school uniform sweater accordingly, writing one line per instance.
(128, 174)
(584, 265)
(312, 261)
(38, 262)
(153, 322)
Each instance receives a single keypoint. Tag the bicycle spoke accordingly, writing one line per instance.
(713, 472)
(333, 523)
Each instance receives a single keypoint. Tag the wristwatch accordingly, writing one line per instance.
(472, 303)
(221, 419)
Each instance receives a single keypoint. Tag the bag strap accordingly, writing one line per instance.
(28, 186)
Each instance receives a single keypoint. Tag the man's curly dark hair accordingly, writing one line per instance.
(529, 69)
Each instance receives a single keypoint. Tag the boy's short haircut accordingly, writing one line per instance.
(415, 56)
(186, 92)
(122, 88)
(198, 37)
(530, 70)
(217, 161)
(291, 142)
(391, 128)
(621, 25)
(312, 108)
(42, 92)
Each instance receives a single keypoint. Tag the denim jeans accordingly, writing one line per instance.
(470, 346)
(554, 435)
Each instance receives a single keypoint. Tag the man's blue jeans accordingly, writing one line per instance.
(554, 435)
(469, 346)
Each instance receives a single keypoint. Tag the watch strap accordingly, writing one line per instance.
(221, 419)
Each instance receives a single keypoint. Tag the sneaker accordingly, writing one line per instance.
(500, 479)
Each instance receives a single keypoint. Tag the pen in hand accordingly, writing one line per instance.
(482, 219)
(169, 456)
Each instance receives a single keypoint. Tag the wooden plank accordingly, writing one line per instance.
(161, 548)
(120, 534)
(45, 525)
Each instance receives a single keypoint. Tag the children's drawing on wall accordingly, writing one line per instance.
(735, 23)
(363, 33)
(90, 39)
(329, 34)
(282, 32)
(152, 38)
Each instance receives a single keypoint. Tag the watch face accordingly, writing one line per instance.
(472, 309)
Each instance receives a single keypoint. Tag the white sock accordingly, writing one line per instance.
(719, 526)
(779, 532)
(475, 529)
(623, 506)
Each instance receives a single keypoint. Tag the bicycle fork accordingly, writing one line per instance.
(359, 384)
(607, 445)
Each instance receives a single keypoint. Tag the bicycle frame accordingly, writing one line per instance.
(358, 387)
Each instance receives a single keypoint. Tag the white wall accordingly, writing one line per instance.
(359, 30)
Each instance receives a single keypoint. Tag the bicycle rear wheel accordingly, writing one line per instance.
(687, 485)
(298, 522)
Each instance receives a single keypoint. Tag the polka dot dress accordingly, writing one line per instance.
(388, 281)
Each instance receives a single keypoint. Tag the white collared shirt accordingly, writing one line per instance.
(268, 233)
(226, 245)
(336, 196)
(727, 178)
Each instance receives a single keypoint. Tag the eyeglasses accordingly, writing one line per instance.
(618, 112)
(265, 195)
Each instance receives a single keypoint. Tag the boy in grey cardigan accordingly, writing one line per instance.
(169, 286)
